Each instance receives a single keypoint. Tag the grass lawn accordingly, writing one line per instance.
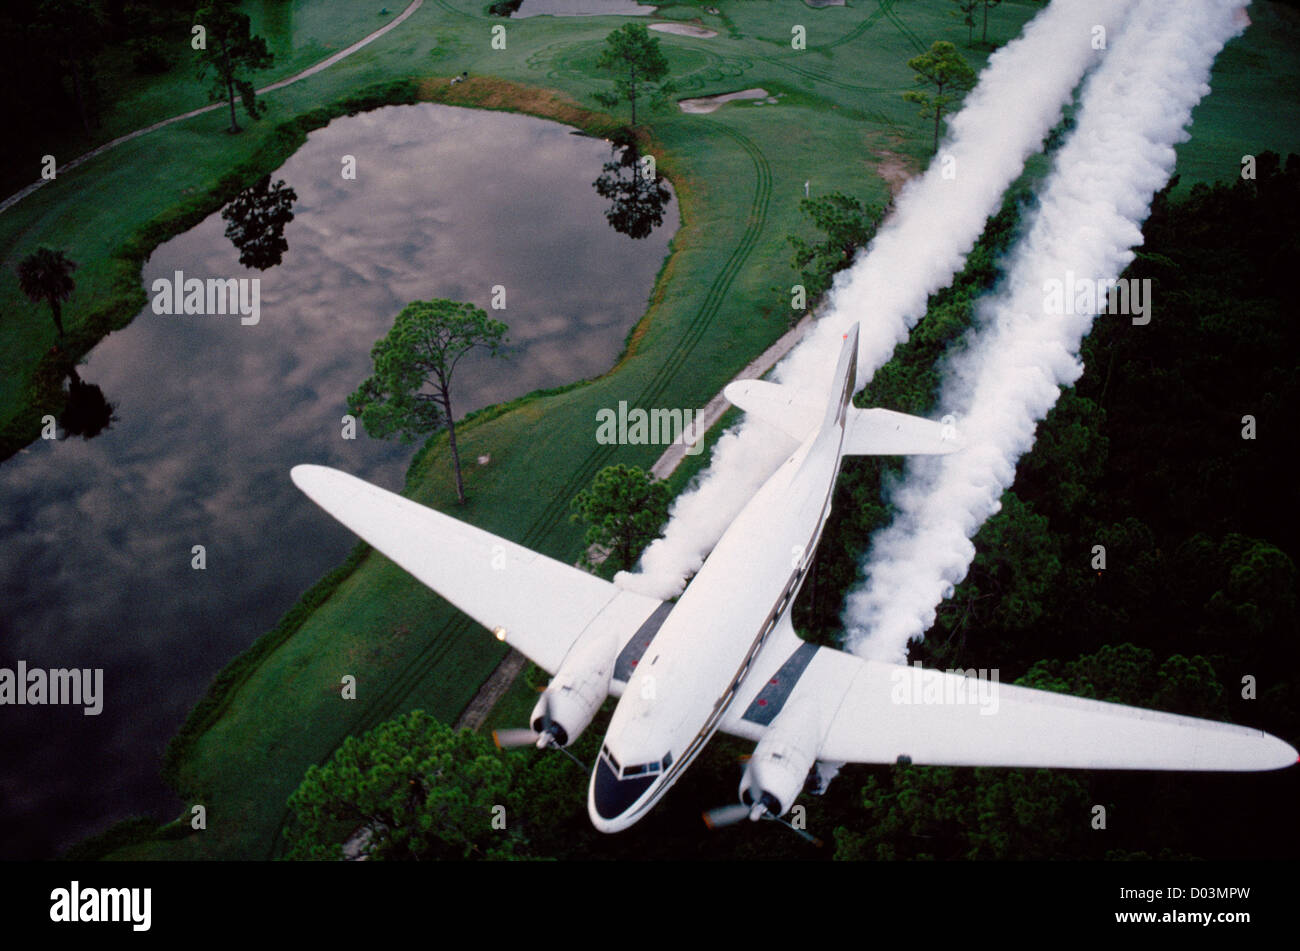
(721, 298)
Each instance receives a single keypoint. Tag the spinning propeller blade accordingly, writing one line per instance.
(510, 739)
(726, 815)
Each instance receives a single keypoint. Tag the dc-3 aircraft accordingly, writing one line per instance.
(725, 655)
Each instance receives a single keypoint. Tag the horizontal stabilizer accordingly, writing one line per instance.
(882, 432)
(784, 407)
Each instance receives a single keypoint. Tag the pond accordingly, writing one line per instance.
(210, 412)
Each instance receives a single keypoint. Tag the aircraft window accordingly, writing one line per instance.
(668, 760)
(610, 756)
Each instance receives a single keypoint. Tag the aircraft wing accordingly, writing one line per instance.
(873, 712)
(539, 604)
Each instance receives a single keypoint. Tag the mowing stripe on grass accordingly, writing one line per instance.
(888, 7)
(456, 10)
(854, 33)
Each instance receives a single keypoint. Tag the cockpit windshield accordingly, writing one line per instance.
(641, 769)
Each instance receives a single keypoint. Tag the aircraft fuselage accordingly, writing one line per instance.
(689, 675)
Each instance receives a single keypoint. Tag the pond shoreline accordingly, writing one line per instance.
(46, 396)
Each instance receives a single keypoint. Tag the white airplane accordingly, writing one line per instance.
(725, 655)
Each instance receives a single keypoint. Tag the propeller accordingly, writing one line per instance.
(521, 736)
(724, 816)
(526, 736)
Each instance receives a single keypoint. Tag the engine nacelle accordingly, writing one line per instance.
(782, 759)
(577, 690)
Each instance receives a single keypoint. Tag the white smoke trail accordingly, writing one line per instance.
(1133, 110)
(937, 219)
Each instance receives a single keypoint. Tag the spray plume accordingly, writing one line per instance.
(1133, 109)
(938, 216)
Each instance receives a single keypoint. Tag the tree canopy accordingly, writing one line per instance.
(633, 56)
(919, 812)
(73, 31)
(943, 68)
(410, 789)
(846, 225)
(624, 509)
(46, 275)
(1199, 568)
(230, 53)
(427, 341)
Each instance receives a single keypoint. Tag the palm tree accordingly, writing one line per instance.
(46, 275)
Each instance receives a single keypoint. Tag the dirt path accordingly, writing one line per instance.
(18, 196)
(492, 690)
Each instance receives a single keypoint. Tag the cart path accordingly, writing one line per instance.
(493, 689)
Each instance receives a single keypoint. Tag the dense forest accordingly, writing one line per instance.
(1146, 456)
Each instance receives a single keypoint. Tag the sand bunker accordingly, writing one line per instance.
(684, 29)
(710, 103)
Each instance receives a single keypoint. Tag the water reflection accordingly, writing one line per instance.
(638, 194)
(88, 413)
(96, 535)
(256, 218)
